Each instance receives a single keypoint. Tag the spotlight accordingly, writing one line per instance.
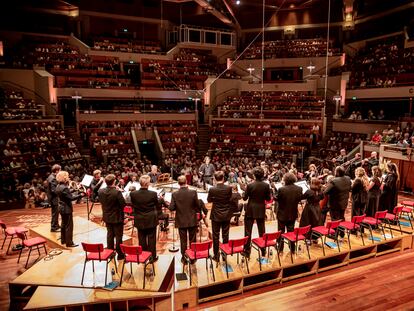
(238, 2)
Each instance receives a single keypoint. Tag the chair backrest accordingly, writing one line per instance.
(333, 224)
(21, 235)
(398, 210)
(237, 243)
(131, 249)
(92, 248)
(302, 230)
(358, 219)
(198, 247)
(272, 236)
(3, 225)
(380, 215)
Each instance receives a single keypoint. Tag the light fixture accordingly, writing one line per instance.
(238, 2)
(311, 67)
(250, 69)
(337, 98)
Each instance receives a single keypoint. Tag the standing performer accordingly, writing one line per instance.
(206, 171)
(185, 204)
(145, 204)
(359, 192)
(65, 199)
(96, 183)
(220, 196)
(389, 187)
(257, 193)
(288, 198)
(311, 214)
(113, 204)
(338, 191)
(52, 198)
(374, 192)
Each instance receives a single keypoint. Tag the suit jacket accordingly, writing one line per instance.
(220, 196)
(145, 205)
(51, 188)
(257, 193)
(113, 204)
(65, 198)
(185, 204)
(338, 192)
(288, 198)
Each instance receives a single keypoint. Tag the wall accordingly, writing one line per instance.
(307, 86)
(361, 127)
(391, 92)
(22, 77)
(135, 116)
(43, 82)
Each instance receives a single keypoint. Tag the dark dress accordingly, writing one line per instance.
(311, 214)
(373, 197)
(389, 195)
(359, 198)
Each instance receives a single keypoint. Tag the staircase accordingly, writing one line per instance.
(203, 135)
(70, 133)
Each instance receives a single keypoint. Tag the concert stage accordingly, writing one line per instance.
(83, 231)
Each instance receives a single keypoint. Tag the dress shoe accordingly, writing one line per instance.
(72, 245)
(193, 261)
(62, 242)
(55, 230)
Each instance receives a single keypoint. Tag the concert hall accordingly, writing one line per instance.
(212, 155)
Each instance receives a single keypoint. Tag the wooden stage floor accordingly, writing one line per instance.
(203, 288)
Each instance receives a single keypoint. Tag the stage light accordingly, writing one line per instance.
(311, 67)
(250, 69)
(238, 2)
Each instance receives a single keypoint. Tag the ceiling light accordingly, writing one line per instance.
(238, 2)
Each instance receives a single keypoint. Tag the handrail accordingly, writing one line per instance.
(324, 68)
(158, 144)
(134, 139)
(213, 107)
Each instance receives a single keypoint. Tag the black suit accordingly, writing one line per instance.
(185, 204)
(220, 196)
(113, 204)
(257, 193)
(145, 204)
(53, 201)
(338, 192)
(287, 198)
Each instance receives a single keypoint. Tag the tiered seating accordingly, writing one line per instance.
(290, 49)
(189, 69)
(382, 63)
(126, 45)
(14, 107)
(30, 145)
(108, 138)
(276, 105)
(71, 68)
(177, 137)
(341, 140)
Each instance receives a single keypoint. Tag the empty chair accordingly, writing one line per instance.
(197, 251)
(266, 241)
(234, 246)
(353, 225)
(30, 244)
(135, 254)
(10, 232)
(375, 222)
(298, 234)
(327, 231)
(393, 218)
(408, 210)
(97, 252)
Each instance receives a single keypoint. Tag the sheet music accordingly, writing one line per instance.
(278, 185)
(303, 184)
(103, 186)
(135, 184)
(168, 197)
(86, 181)
(158, 191)
(203, 197)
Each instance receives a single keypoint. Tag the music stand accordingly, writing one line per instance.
(173, 248)
(86, 181)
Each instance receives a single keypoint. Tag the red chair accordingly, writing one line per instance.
(375, 222)
(135, 254)
(30, 244)
(353, 225)
(97, 252)
(199, 251)
(298, 234)
(327, 231)
(394, 218)
(408, 210)
(10, 232)
(235, 246)
(266, 241)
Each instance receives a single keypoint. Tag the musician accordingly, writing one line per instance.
(287, 198)
(113, 204)
(374, 191)
(359, 190)
(257, 193)
(53, 199)
(164, 218)
(132, 183)
(338, 191)
(145, 205)
(311, 214)
(389, 187)
(351, 165)
(342, 158)
(65, 198)
(206, 171)
(96, 184)
(154, 174)
(311, 172)
(220, 196)
(373, 159)
(185, 204)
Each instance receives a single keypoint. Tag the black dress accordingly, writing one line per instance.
(389, 195)
(373, 197)
(359, 198)
(311, 214)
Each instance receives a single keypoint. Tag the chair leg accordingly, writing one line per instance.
(260, 258)
(323, 246)
(20, 254)
(153, 268)
(93, 266)
(115, 264)
(362, 235)
(247, 264)
(227, 270)
(307, 248)
(8, 248)
(337, 242)
(291, 253)
(383, 231)
(44, 247)
(28, 256)
(122, 273)
(106, 272)
(212, 268)
(4, 241)
(143, 285)
(278, 255)
(83, 272)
